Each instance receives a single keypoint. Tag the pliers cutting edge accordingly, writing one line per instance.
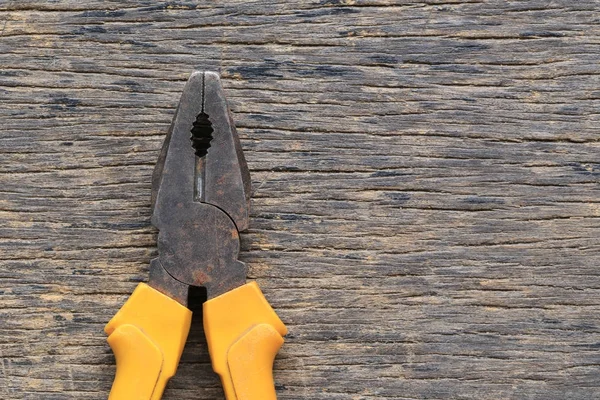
(200, 203)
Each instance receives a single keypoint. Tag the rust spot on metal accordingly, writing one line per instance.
(201, 278)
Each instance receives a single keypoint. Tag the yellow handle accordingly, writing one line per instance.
(243, 334)
(147, 336)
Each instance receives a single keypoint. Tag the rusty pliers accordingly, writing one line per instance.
(200, 203)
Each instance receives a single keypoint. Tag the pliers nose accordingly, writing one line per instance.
(220, 176)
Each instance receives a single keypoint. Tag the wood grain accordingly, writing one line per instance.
(426, 189)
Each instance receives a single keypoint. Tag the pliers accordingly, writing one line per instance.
(200, 203)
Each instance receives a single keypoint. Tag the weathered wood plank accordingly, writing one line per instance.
(426, 189)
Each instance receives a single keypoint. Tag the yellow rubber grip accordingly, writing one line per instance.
(243, 334)
(147, 336)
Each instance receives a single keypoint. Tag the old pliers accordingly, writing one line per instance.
(200, 201)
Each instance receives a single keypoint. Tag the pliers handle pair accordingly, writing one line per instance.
(200, 203)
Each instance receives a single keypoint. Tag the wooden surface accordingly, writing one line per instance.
(426, 189)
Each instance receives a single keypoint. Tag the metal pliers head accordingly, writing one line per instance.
(201, 193)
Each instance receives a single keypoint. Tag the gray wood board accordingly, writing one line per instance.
(425, 174)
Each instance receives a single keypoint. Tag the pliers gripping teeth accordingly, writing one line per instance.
(200, 202)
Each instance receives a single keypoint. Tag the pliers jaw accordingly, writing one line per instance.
(221, 177)
(201, 203)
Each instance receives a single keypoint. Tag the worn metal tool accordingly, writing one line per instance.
(200, 202)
